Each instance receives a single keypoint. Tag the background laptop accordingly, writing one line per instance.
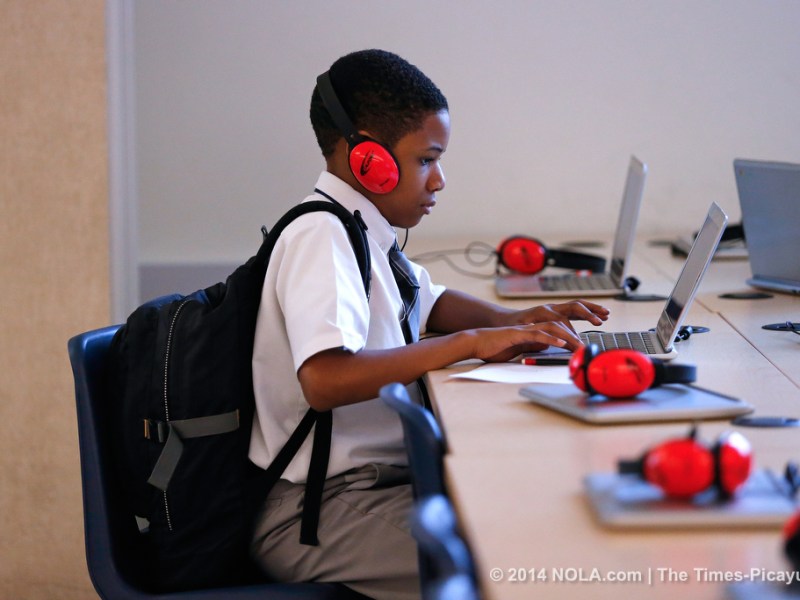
(769, 195)
(610, 283)
(661, 342)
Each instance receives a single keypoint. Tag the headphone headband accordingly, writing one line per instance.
(674, 373)
(568, 259)
(336, 110)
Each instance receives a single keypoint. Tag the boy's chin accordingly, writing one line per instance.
(405, 223)
(413, 222)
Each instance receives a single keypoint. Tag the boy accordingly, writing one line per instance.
(321, 343)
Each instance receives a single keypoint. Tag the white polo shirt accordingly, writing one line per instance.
(313, 300)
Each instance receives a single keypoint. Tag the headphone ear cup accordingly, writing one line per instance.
(620, 373)
(374, 167)
(578, 363)
(681, 468)
(522, 254)
(734, 460)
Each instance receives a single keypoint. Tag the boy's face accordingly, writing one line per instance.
(418, 155)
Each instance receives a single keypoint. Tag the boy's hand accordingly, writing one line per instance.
(501, 344)
(580, 310)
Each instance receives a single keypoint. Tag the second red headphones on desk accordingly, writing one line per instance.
(684, 467)
(527, 255)
(623, 373)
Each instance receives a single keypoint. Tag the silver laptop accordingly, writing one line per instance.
(574, 285)
(671, 402)
(661, 342)
(769, 195)
(623, 501)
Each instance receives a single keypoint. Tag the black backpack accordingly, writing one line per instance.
(180, 380)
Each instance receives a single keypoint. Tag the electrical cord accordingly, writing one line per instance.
(630, 286)
(687, 331)
(784, 326)
(477, 254)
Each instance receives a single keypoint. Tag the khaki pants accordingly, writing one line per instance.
(364, 539)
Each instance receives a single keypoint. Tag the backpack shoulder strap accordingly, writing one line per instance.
(318, 466)
(353, 224)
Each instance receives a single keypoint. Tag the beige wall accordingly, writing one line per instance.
(54, 280)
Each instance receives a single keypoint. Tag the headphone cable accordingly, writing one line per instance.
(478, 254)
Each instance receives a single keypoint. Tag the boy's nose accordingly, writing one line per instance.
(437, 181)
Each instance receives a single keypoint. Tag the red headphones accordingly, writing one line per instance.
(528, 255)
(684, 467)
(623, 373)
(371, 163)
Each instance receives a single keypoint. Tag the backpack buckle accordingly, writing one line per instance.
(155, 430)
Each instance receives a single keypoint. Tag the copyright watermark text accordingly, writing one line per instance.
(649, 576)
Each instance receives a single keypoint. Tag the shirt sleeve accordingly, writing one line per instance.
(319, 288)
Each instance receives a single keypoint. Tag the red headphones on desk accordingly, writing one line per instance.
(684, 467)
(371, 163)
(527, 255)
(623, 373)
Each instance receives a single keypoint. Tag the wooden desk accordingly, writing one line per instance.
(515, 470)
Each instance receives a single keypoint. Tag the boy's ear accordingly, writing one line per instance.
(367, 135)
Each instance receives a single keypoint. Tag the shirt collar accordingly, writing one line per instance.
(378, 227)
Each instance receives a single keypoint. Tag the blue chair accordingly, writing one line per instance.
(450, 573)
(423, 439)
(113, 544)
(455, 587)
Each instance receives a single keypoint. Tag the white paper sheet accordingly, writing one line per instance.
(517, 373)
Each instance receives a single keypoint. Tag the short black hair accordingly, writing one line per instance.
(381, 93)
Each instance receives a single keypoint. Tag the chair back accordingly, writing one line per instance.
(423, 439)
(111, 536)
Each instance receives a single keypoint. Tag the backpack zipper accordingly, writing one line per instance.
(166, 388)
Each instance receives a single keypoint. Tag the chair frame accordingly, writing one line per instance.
(423, 438)
(450, 573)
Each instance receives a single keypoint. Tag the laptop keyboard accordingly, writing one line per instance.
(572, 282)
(636, 340)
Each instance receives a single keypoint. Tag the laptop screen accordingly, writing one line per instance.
(769, 195)
(628, 216)
(692, 273)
